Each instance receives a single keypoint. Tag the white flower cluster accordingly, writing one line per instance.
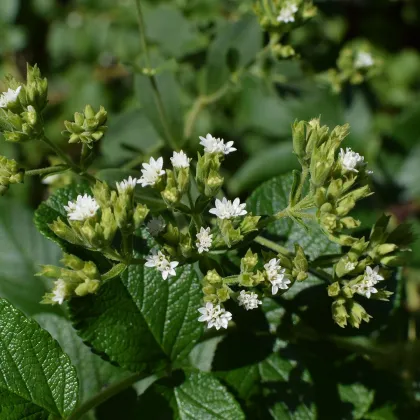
(366, 286)
(151, 172)
(9, 96)
(162, 263)
(287, 13)
(275, 275)
(204, 240)
(180, 160)
(59, 291)
(226, 209)
(83, 208)
(248, 300)
(363, 60)
(215, 316)
(215, 145)
(127, 184)
(350, 160)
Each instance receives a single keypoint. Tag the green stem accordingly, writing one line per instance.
(44, 171)
(106, 394)
(271, 245)
(303, 176)
(152, 78)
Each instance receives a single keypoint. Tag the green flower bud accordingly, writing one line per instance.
(9, 173)
(36, 89)
(223, 293)
(299, 139)
(385, 249)
(300, 264)
(334, 289)
(122, 212)
(63, 231)
(349, 222)
(393, 260)
(88, 287)
(72, 262)
(329, 222)
(185, 245)
(109, 225)
(91, 270)
(213, 184)
(209, 290)
(382, 294)
(183, 179)
(88, 127)
(249, 224)
(15, 136)
(212, 277)
(345, 206)
(49, 271)
(172, 234)
(357, 314)
(249, 261)
(102, 194)
(140, 213)
(171, 196)
(320, 171)
(230, 235)
(320, 197)
(258, 278)
(339, 312)
(335, 189)
(246, 279)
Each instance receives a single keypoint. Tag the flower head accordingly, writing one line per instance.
(226, 209)
(215, 145)
(151, 172)
(180, 160)
(366, 286)
(287, 13)
(156, 225)
(59, 292)
(9, 96)
(127, 184)
(215, 316)
(350, 160)
(248, 300)
(275, 275)
(161, 263)
(350, 266)
(204, 240)
(83, 208)
(363, 60)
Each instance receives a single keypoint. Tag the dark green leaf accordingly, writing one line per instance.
(36, 377)
(359, 396)
(22, 250)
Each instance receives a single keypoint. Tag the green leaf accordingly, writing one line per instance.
(245, 37)
(203, 397)
(94, 373)
(22, 250)
(359, 396)
(8, 10)
(408, 176)
(142, 318)
(36, 377)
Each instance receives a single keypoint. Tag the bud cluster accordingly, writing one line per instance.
(10, 173)
(80, 278)
(88, 127)
(21, 107)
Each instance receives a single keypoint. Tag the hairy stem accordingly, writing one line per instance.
(158, 99)
(45, 171)
(271, 245)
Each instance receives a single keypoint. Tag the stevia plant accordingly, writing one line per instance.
(159, 264)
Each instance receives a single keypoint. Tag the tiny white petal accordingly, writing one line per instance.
(127, 184)
(59, 292)
(216, 145)
(9, 96)
(204, 240)
(287, 13)
(161, 263)
(350, 160)
(215, 316)
(225, 209)
(83, 208)
(180, 160)
(248, 300)
(151, 172)
(363, 60)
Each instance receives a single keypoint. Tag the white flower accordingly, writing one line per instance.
(180, 160)
(213, 145)
(215, 316)
(156, 225)
(10, 96)
(59, 292)
(366, 286)
(151, 172)
(83, 208)
(363, 60)
(350, 266)
(161, 263)
(287, 13)
(50, 179)
(204, 240)
(275, 275)
(248, 300)
(225, 209)
(350, 160)
(127, 184)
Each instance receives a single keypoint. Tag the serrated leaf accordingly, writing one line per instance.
(203, 397)
(359, 396)
(22, 250)
(36, 377)
(94, 373)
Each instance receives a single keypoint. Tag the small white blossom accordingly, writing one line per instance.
(151, 172)
(83, 208)
(59, 292)
(215, 316)
(350, 160)
(215, 145)
(9, 96)
(248, 300)
(50, 179)
(363, 60)
(275, 275)
(204, 240)
(180, 160)
(161, 263)
(366, 286)
(156, 225)
(287, 13)
(127, 184)
(226, 209)
(350, 266)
